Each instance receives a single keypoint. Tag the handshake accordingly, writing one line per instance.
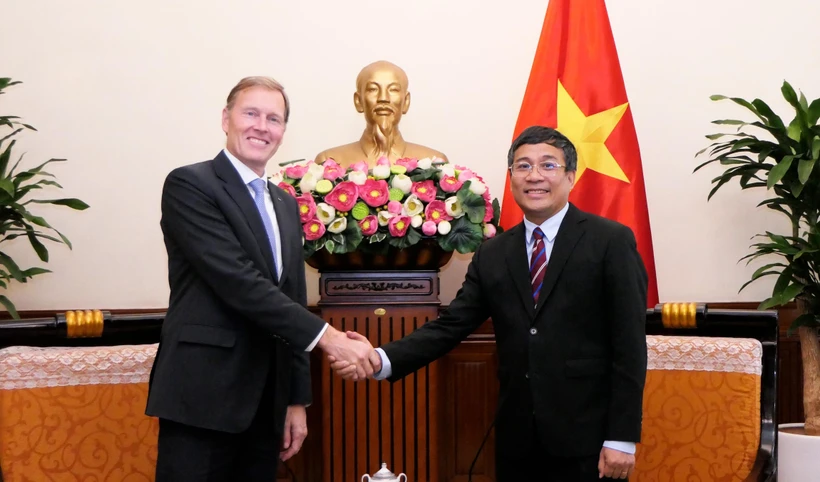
(350, 354)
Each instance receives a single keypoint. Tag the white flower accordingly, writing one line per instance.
(416, 221)
(444, 227)
(412, 205)
(381, 172)
(384, 217)
(308, 182)
(453, 207)
(326, 213)
(338, 225)
(277, 178)
(357, 177)
(425, 163)
(448, 169)
(477, 187)
(403, 182)
(318, 170)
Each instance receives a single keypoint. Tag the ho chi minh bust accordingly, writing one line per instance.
(382, 96)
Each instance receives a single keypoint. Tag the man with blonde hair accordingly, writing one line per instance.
(231, 378)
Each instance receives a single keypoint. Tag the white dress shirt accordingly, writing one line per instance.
(247, 175)
(550, 230)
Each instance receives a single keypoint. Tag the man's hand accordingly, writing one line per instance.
(295, 431)
(615, 464)
(356, 351)
(348, 371)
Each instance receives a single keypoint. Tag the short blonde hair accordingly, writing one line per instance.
(259, 81)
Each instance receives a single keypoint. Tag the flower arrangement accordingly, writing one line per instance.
(345, 210)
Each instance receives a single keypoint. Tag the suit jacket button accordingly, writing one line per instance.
(527, 375)
(533, 331)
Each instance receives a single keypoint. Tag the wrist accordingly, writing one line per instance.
(327, 338)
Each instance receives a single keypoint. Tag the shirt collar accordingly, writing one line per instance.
(548, 227)
(245, 172)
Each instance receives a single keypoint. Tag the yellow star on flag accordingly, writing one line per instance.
(589, 134)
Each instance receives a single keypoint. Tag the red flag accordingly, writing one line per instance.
(576, 86)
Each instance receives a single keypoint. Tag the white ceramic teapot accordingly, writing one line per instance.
(384, 475)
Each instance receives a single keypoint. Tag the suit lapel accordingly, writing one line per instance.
(569, 233)
(284, 220)
(242, 197)
(518, 265)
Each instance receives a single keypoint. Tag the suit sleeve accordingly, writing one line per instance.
(300, 389)
(435, 338)
(196, 224)
(626, 286)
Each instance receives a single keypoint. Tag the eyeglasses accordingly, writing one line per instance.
(524, 169)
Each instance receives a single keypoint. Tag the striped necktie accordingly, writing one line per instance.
(538, 263)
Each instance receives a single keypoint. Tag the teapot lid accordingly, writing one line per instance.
(383, 474)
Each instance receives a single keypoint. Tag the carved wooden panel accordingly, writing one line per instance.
(367, 423)
(468, 399)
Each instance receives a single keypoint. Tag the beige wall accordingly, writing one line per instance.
(129, 90)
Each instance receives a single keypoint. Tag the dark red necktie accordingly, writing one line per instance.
(538, 264)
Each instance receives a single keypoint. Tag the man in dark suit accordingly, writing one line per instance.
(231, 378)
(566, 291)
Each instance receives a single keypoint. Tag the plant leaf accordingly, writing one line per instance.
(12, 267)
(805, 319)
(778, 171)
(804, 169)
(464, 236)
(9, 307)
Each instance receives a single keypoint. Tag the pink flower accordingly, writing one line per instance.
(369, 225)
(287, 188)
(437, 212)
(489, 231)
(408, 162)
(398, 226)
(314, 229)
(295, 172)
(343, 197)
(360, 166)
(394, 207)
(383, 161)
(425, 190)
(374, 193)
(488, 211)
(307, 207)
(450, 183)
(465, 175)
(429, 228)
(333, 170)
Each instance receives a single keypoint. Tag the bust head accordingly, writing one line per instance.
(381, 95)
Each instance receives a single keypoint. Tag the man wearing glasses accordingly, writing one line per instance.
(566, 291)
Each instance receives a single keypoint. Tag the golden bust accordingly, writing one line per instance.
(382, 96)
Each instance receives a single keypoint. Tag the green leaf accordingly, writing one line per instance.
(351, 237)
(778, 171)
(730, 122)
(12, 267)
(35, 271)
(739, 101)
(496, 212)
(38, 247)
(771, 119)
(815, 148)
(804, 169)
(9, 307)
(464, 236)
(70, 202)
(330, 246)
(814, 112)
(377, 238)
(7, 186)
(409, 239)
(805, 319)
(472, 204)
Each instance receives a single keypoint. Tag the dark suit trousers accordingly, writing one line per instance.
(191, 454)
(534, 464)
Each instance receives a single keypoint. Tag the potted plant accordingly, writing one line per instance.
(408, 215)
(782, 160)
(17, 186)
